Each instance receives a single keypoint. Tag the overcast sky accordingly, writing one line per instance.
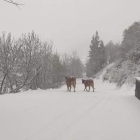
(70, 24)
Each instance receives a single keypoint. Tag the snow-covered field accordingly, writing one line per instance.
(106, 114)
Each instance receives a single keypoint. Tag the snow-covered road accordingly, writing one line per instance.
(106, 114)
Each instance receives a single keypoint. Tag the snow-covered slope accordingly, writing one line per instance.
(101, 73)
(106, 114)
(123, 72)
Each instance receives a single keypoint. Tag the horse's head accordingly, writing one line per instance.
(83, 81)
(66, 77)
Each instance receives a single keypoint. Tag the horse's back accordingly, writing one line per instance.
(88, 82)
(71, 80)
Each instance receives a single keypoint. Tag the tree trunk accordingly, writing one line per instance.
(2, 83)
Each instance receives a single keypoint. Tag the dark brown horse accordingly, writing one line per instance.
(88, 83)
(70, 81)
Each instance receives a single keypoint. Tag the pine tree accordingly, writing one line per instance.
(131, 37)
(76, 66)
(93, 63)
(101, 55)
(97, 57)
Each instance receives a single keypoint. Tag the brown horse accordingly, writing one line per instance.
(70, 81)
(88, 83)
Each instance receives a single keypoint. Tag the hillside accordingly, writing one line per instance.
(122, 72)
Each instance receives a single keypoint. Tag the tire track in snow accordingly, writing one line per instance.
(54, 120)
(79, 118)
(59, 123)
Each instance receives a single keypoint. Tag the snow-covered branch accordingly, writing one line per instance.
(15, 3)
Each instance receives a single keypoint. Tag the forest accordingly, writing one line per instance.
(29, 63)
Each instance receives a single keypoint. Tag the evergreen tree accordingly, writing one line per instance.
(96, 56)
(76, 67)
(131, 38)
(73, 65)
(101, 56)
(112, 51)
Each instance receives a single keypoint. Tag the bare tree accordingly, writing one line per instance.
(18, 67)
(29, 63)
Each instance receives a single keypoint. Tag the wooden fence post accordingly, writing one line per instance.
(137, 88)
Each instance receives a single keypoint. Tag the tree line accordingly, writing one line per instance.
(28, 63)
(101, 55)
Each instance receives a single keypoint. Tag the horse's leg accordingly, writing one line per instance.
(93, 88)
(85, 88)
(73, 84)
(70, 87)
(89, 87)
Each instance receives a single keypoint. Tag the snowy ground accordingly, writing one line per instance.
(106, 114)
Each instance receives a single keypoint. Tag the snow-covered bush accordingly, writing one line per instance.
(134, 55)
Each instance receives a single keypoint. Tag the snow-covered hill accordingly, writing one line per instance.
(122, 73)
(106, 114)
